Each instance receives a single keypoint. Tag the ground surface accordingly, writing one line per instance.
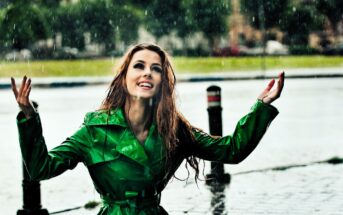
(307, 129)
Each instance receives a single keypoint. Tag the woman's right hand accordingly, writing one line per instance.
(22, 96)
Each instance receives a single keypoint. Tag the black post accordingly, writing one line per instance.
(215, 121)
(31, 197)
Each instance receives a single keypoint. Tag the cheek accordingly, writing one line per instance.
(130, 80)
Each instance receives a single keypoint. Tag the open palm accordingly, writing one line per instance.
(268, 95)
(22, 96)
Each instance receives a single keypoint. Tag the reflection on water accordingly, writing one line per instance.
(218, 180)
(218, 198)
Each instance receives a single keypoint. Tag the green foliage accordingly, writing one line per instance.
(186, 17)
(95, 16)
(127, 23)
(301, 20)
(19, 31)
(332, 9)
(303, 50)
(161, 17)
(49, 3)
(273, 10)
(68, 22)
(104, 20)
(209, 17)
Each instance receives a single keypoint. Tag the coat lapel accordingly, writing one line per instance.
(127, 144)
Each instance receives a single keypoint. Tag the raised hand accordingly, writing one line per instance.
(22, 96)
(268, 95)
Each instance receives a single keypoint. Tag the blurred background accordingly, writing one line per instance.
(89, 29)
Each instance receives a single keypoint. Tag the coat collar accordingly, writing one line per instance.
(127, 144)
(104, 117)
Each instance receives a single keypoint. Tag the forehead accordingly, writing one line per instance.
(146, 56)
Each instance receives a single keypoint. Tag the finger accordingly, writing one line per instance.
(27, 84)
(267, 89)
(280, 83)
(14, 87)
(271, 84)
(22, 86)
(27, 93)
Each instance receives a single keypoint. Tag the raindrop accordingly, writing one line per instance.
(14, 27)
(294, 9)
(146, 12)
(253, 19)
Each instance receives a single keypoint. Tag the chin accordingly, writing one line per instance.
(143, 96)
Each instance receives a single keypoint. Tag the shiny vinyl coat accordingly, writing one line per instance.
(128, 175)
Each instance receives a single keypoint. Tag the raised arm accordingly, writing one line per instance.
(22, 96)
(248, 132)
(40, 163)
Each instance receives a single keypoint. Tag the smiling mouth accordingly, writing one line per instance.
(145, 85)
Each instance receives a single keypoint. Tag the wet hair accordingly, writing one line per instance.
(174, 129)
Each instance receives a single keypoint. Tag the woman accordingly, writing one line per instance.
(135, 142)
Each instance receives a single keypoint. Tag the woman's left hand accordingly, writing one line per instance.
(268, 95)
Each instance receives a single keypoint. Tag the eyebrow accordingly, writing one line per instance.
(154, 64)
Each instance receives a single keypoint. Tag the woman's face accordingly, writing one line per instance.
(144, 74)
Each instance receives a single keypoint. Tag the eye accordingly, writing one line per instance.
(138, 66)
(157, 69)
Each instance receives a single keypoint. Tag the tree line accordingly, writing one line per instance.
(22, 22)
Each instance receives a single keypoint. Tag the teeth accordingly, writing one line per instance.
(145, 85)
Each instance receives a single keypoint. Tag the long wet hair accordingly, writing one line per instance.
(174, 129)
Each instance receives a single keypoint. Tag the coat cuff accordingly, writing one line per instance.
(267, 109)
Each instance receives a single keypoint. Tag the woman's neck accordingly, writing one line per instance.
(138, 112)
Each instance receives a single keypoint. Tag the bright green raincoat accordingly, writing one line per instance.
(128, 175)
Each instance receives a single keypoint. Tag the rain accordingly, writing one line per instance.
(71, 49)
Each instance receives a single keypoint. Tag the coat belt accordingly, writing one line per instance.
(134, 200)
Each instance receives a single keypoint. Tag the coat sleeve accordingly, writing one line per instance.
(42, 164)
(236, 147)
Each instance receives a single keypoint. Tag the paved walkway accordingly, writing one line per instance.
(308, 189)
(300, 191)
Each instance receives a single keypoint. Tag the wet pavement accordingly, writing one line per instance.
(308, 129)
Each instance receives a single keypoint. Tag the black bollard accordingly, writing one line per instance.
(214, 109)
(31, 197)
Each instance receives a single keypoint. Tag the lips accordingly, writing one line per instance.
(145, 84)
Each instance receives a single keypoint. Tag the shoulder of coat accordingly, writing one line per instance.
(105, 117)
(94, 116)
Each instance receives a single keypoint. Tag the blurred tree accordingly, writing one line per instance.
(163, 16)
(186, 17)
(97, 19)
(274, 12)
(300, 20)
(333, 10)
(209, 17)
(127, 21)
(19, 31)
(68, 21)
(108, 21)
(49, 3)
(4, 3)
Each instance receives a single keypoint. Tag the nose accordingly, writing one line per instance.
(147, 72)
